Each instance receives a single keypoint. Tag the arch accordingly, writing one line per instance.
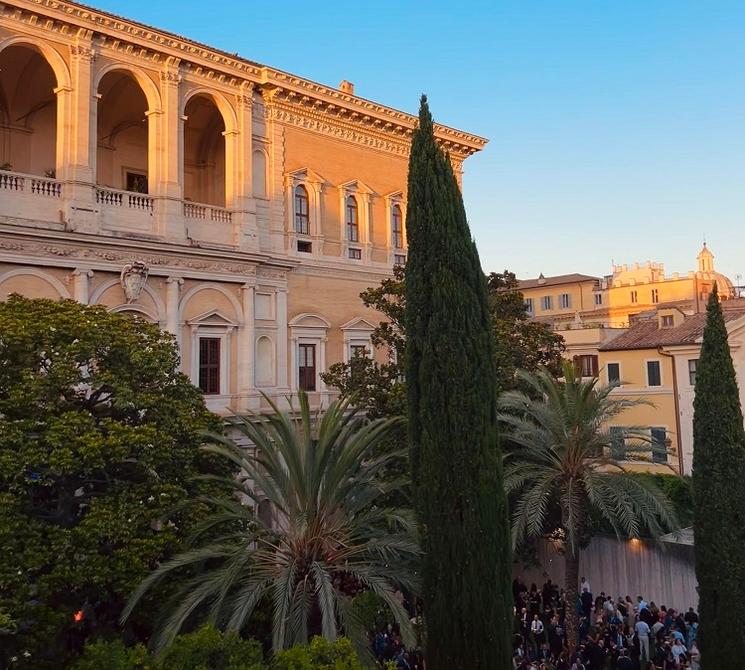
(310, 320)
(152, 94)
(126, 307)
(52, 56)
(105, 286)
(221, 102)
(259, 162)
(52, 281)
(264, 361)
(210, 287)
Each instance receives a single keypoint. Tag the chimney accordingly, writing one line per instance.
(347, 87)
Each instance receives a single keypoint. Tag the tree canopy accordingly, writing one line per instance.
(719, 495)
(99, 438)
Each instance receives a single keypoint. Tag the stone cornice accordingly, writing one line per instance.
(74, 249)
(385, 124)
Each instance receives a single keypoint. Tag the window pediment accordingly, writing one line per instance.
(213, 317)
(309, 321)
(359, 324)
(356, 186)
(304, 175)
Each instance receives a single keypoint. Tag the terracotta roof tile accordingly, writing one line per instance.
(648, 334)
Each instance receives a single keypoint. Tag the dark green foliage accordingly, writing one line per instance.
(521, 344)
(99, 438)
(209, 649)
(320, 654)
(204, 649)
(719, 497)
(451, 385)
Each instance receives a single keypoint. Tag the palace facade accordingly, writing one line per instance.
(240, 207)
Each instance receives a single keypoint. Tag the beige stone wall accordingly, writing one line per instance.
(222, 142)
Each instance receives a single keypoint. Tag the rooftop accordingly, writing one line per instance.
(647, 334)
(558, 280)
(190, 52)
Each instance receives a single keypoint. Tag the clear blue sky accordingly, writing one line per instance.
(616, 127)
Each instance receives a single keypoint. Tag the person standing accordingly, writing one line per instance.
(642, 632)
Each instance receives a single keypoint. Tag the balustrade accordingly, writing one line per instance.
(41, 186)
(195, 210)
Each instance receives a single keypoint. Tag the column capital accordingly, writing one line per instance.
(175, 280)
(82, 272)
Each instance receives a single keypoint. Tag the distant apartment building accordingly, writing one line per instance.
(642, 328)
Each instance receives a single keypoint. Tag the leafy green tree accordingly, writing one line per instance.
(719, 495)
(209, 649)
(332, 539)
(452, 423)
(565, 467)
(521, 343)
(99, 437)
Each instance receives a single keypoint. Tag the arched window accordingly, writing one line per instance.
(397, 229)
(302, 219)
(353, 226)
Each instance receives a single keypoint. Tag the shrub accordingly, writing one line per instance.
(319, 655)
(204, 649)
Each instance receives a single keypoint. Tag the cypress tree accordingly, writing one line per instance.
(719, 497)
(451, 386)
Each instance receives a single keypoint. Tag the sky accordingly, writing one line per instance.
(616, 127)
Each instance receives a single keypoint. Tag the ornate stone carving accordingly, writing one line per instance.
(133, 279)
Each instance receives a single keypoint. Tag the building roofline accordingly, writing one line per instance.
(189, 50)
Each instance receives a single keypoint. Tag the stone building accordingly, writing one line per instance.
(240, 207)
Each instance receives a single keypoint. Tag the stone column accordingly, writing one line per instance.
(247, 352)
(283, 379)
(173, 289)
(244, 205)
(170, 155)
(77, 135)
(81, 285)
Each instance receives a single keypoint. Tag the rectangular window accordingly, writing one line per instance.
(306, 367)
(358, 350)
(654, 376)
(136, 182)
(692, 365)
(302, 218)
(667, 321)
(399, 259)
(659, 447)
(209, 365)
(598, 298)
(586, 366)
(618, 443)
(355, 254)
(565, 301)
(614, 373)
(546, 303)
(634, 297)
(305, 247)
(655, 296)
(529, 305)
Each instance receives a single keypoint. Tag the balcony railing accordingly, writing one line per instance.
(125, 199)
(26, 183)
(195, 210)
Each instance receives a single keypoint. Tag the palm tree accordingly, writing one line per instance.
(332, 537)
(564, 467)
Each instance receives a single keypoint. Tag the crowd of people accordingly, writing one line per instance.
(614, 633)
